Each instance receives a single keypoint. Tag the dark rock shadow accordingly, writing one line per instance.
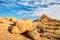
(25, 34)
(58, 38)
(10, 28)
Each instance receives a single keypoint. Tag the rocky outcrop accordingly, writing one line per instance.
(15, 30)
(49, 25)
(40, 29)
(45, 21)
(22, 26)
(44, 17)
(4, 21)
(13, 20)
(34, 34)
(7, 18)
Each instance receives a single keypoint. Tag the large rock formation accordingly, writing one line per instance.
(44, 17)
(49, 26)
(23, 26)
(46, 22)
(6, 35)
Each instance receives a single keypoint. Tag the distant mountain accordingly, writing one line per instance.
(43, 17)
(46, 22)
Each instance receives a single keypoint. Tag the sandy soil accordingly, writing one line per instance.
(6, 35)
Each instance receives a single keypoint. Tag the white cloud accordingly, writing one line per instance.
(19, 12)
(23, 12)
(13, 5)
(58, 1)
(37, 12)
(49, 1)
(24, 3)
(36, 3)
(53, 11)
(4, 5)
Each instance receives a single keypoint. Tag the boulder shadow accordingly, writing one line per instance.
(10, 28)
(25, 34)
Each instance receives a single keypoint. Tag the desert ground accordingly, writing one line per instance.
(43, 28)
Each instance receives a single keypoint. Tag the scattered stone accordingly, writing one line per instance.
(4, 21)
(7, 18)
(51, 31)
(25, 25)
(13, 20)
(34, 34)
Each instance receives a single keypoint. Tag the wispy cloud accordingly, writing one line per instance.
(32, 3)
(23, 12)
(31, 8)
(37, 12)
(53, 11)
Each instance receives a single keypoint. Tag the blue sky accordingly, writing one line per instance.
(31, 9)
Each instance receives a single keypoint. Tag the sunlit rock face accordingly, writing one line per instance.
(32, 29)
(5, 21)
(46, 22)
(23, 26)
(7, 18)
(13, 19)
(44, 17)
(15, 30)
(34, 34)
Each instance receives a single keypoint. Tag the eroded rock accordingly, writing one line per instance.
(7, 18)
(15, 30)
(13, 20)
(23, 25)
(34, 34)
(4, 21)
